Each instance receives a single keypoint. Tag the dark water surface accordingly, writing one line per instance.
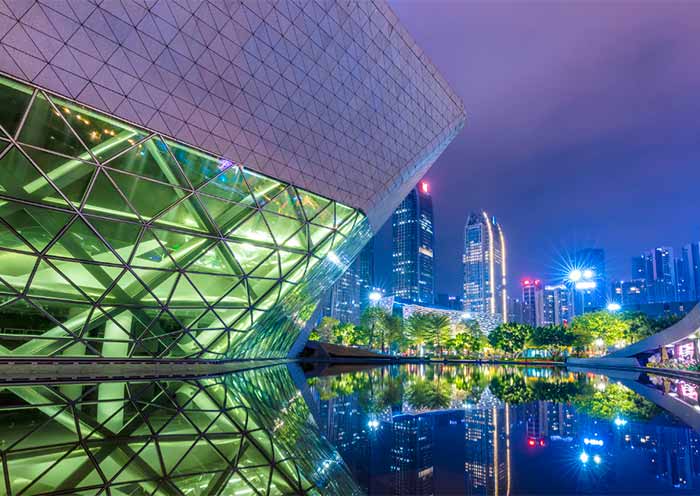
(413, 429)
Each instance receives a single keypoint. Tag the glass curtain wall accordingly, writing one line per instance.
(118, 242)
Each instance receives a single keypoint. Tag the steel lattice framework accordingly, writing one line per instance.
(119, 242)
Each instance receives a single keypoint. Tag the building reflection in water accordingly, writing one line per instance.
(413, 430)
(244, 433)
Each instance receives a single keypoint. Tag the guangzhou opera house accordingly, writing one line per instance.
(183, 181)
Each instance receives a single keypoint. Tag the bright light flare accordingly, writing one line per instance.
(375, 296)
(575, 275)
(584, 457)
(597, 459)
(614, 307)
(588, 274)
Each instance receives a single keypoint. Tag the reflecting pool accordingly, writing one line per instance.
(412, 429)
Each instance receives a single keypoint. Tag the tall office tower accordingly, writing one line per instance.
(593, 297)
(660, 275)
(533, 302)
(412, 454)
(690, 255)
(632, 292)
(445, 300)
(485, 266)
(487, 447)
(556, 301)
(186, 181)
(682, 270)
(413, 240)
(349, 296)
(515, 310)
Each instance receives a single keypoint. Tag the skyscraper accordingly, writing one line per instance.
(349, 296)
(660, 275)
(533, 302)
(690, 255)
(413, 240)
(556, 303)
(632, 292)
(485, 266)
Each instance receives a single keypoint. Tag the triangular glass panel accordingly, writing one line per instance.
(150, 159)
(187, 214)
(183, 248)
(45, 129)
(312, 203)
(207, 320)
(71, 176)
(319, 234)
(254, 229)
(259, 288)
(248, 255)
(230, 186)
(49, 283)
(104, 199)
(325, 217)
(15, 269)
(105, 137)
(185, 294)
(120, 235)
(91, 278)
(20, 179)
(160, 282)
(264, 189)
(225, 214)
(342, 213)
(37, 225)
(285, 288)
(150, 253)
(216, 260)
(230, 315)
(127, 290)
(79, 241)
(270, 298)
(14, 98)
(348, 226)
(269, 268)
(287, 204)
(289, 260)
(149, 198)
(212, 287)
(238, 296)
(11, 241)
(197, 166)
(287, 232)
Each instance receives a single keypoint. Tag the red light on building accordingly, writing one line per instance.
(541, 442)
(526, 282)
(424, 186)
(531, 442)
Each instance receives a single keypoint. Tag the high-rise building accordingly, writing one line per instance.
(660, 275)
(632, 292)
(556, 302)
(690, 255)
(188, 184)
(533, 301)
(515, 310)
(449, 301)
(349, 296)
(485, 266)
(412, 454)
(413, 240)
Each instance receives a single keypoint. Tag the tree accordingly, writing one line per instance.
(425, 394)
(510, 337)
(345, 334)
(416, 330)
(438, 330)
(393, 325)
(511, 388)
(373, 319)
(609, 327)
(324, 330)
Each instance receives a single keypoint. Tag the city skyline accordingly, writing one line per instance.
(601, 166)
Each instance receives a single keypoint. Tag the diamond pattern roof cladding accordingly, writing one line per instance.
(332, 97)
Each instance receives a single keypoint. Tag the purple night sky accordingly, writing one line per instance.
(583, 128)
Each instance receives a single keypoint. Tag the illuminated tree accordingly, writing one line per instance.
(609, 327)
(324, 330)
(510, 337)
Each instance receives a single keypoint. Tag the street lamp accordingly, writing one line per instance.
(614, 307)
(575, 275)
(588, 274)
(375, 296)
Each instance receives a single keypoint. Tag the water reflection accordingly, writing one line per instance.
(391, 430)
(244, 433)
(507, 430)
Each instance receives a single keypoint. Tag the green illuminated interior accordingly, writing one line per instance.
(194, 437)
(118, 242)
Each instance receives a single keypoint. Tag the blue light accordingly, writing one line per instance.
(583, 457)
(619, 422)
